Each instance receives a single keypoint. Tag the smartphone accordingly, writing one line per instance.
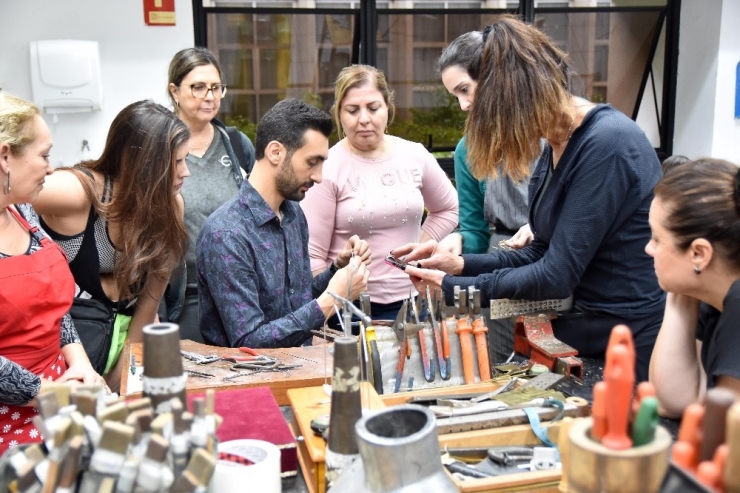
(397, 263)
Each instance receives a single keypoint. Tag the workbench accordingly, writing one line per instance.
(316, 368)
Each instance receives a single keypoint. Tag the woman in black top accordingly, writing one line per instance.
(119, 218)
(589, 197)
(695, 219)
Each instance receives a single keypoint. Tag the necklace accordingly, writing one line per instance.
(351, 149)
(204, 146)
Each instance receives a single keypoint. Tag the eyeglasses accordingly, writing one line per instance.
(201, 90)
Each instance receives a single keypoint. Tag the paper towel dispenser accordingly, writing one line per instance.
(65, 76)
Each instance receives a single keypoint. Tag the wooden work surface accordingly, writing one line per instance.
(310, 374)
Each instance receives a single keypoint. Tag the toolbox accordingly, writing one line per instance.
(540, 481)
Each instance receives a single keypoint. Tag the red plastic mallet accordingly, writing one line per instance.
(619, 375)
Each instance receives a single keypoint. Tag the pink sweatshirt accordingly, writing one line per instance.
(381, 201)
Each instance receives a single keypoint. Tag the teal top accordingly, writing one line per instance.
(471, 196)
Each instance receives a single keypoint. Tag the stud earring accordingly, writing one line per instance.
(6, 185)
(697, 270)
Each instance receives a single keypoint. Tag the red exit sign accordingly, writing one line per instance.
(159, 12)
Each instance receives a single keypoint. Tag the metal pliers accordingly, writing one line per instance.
(262, 363)
(443, 358)
(427, 364)
(399, 327)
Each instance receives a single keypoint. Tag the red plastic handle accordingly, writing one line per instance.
(466, 346)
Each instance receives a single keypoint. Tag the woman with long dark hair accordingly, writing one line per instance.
(589, 197)
(119, 218)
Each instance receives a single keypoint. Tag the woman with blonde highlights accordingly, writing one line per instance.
(589, 197)
(119, 218)
(39, 343)
(695, 220)
(375, 187)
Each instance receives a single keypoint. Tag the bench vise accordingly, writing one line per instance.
(533, 334)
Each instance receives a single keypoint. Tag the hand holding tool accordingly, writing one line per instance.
(432, 314)
(479, 331)
(464, 330)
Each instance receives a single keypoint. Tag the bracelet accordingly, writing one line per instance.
(334, 267)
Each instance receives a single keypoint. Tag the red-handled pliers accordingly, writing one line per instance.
(249, 351)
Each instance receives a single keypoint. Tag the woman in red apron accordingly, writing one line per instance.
(37, 339)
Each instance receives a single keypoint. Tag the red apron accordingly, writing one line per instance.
(36, 291)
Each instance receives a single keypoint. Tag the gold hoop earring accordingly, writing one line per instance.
(6, 185)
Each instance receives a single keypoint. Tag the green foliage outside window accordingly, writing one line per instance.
(444, 122)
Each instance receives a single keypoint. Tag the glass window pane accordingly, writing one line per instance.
(602, 25)
(331, 62)
(236, 65)
(239, 107)
(267, 101)
(234, 28)
(429, 27)
(424, 62)
(266, 57)
(609, 51)
(601, 63)
(336, 29)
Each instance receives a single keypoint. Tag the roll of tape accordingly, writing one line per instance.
(259, 467)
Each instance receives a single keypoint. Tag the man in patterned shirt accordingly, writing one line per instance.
(254, 276)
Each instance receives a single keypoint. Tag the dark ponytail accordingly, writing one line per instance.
(702, 200)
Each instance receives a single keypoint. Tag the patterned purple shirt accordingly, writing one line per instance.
(255, 286)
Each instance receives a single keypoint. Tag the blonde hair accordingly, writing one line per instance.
(358, 76)
(16, 122)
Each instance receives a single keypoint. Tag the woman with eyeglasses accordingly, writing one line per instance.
(218, 158)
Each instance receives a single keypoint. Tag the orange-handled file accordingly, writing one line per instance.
(466, 346)
(481, 343)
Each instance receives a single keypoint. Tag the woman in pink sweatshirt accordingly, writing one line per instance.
(375, 186)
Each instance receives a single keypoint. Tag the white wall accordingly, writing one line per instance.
(709, 50)
(134, 59)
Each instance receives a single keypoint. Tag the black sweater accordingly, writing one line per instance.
(591, 227)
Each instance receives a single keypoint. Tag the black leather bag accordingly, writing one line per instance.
(94, 323)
